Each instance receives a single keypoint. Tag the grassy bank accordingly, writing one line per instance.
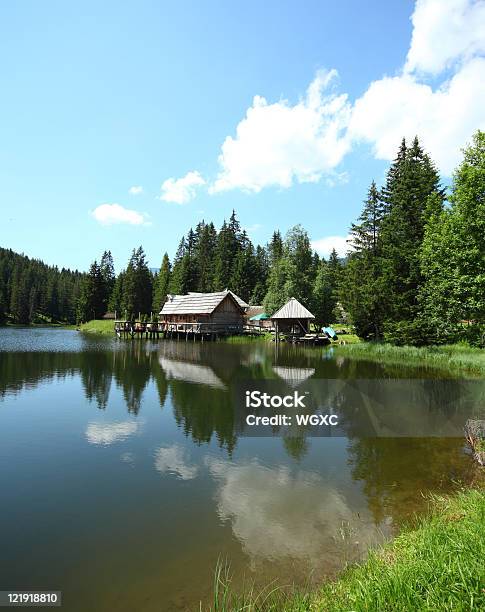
(97, 327)
(437, 565)
(456, 357)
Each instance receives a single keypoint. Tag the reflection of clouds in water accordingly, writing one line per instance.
(175, 460)
(276, 513)
(109, 433)
(128, 458)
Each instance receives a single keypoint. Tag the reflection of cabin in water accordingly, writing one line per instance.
(217, 313)
(292, 318)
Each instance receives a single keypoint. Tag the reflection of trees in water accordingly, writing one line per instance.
(26, 370)
(132, 369)
(398, 472)
(96, 374)
(203, 412)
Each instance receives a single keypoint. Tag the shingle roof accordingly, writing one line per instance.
(293, 310)
(239, 300)
(195, 303)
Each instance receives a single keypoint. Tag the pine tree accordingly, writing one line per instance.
(162, 285)
(177, 276)
(228, 246)
(361, 289)
(115, 303)
(91, 303)
(410, 182)
(205, 256)
(261, 271)
(108, 274)
(453, 255)
(323, 300)
(243, 270)
(275, 248)
(137, 285)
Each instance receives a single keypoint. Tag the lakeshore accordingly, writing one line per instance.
(435, 564)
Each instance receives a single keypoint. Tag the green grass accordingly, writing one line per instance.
(439, 565)
(455, 357)
(436, 565)
(244, 339)
(98, 327)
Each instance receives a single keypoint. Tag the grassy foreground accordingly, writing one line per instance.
(437, 565)
(456, 357)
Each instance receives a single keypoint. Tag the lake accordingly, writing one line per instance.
(123, 477)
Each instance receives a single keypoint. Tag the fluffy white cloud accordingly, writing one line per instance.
(324, 246)
(278, 144)
(111, 214)
(444, 119)
(135, 190)
(445, 33)
(182, 190)
(109, 433)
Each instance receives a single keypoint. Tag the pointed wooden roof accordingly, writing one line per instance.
(293, 310)
(197, 303)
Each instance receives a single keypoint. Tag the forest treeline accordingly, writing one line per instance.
(31, 291)
(414, 273)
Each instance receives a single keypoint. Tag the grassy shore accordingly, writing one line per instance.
(455, 357)
(437, 565)
(97, 327)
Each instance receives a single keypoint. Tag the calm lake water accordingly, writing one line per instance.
(122, 480)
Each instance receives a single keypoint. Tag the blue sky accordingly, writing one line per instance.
(98, 98)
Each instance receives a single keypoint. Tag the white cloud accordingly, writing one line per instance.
(135, 190)
(324, 246)
(174, 460)
(111, 214)
(445, 32)
(182, 190)
(109, 433)
(279, 144)
(444, 119)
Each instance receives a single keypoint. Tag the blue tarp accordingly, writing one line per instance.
(330, 332)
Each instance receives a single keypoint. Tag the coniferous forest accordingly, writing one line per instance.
(414, 273)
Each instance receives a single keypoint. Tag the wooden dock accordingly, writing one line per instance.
(185, 331)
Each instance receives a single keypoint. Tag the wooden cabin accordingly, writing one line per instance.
(203, 313)
(292, 319)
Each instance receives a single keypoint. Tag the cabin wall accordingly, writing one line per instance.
(227, 313)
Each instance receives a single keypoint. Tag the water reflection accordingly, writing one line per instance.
(174, 459)
(270, 508)
(149, 431)
(109, 433)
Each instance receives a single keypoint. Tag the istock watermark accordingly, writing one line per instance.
(269, 408)
(383, 408)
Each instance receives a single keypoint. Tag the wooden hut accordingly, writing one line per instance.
(292, 319)
(203, 313)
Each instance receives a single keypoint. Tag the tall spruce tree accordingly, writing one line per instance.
(91, 303)
(411, 180)
(243, 271)
(162, 285)
(228, 246)
(137, 285)
(108, 274)
(361, 286)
